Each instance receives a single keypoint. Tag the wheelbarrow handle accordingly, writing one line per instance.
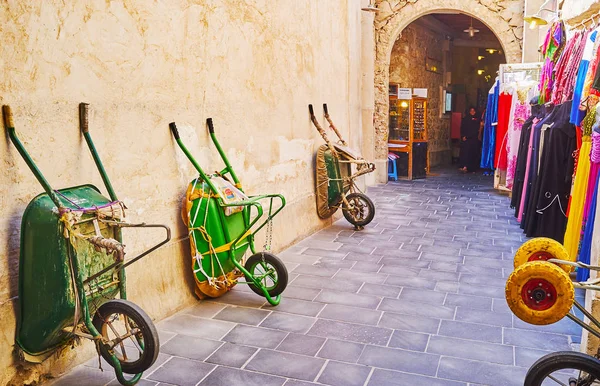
(174, 130)
(325, 109)
(211, 127)
(311, 110)
(8, 118)
(83, 117)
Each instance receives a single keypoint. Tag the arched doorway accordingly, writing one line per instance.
(503, 18)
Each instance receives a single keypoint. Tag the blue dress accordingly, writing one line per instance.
(576, 114)
(585, 251)
(489, 128)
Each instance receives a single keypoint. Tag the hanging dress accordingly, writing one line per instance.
(522, 111)
(504, 107)
(556, 174)
(489, 128)
(577, 113)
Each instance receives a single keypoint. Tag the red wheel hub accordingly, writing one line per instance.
(540, 255)
(538, 294)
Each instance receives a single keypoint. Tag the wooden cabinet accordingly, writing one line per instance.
(408, 136)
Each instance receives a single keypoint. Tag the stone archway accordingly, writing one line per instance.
(503, 17)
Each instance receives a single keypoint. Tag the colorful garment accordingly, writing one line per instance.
(504, 107)
(489, 128)
(551, 50)
(521, 113)
(577, 113)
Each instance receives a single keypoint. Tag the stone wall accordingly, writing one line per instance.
(407, 68)
(503, 17)
(252, 66)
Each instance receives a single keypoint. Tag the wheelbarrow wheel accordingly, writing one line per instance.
(569, 367)
(270, 271)
(543, 249)
(540, 293)
(362, 209)
(130, 332)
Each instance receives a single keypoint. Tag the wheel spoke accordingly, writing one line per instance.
(556, 380)
(132, 334)
(118, 338)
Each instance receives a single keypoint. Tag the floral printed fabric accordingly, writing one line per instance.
(522, 112)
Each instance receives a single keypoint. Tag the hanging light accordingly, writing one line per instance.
(471, 31)
(404, 104)
(537, 19)
(370, 8)
(480, 57)
(480, 72)
(491, 50)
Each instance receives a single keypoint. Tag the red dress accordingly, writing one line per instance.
(504, 104)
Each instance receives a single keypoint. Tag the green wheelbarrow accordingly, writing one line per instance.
(222, 225)
(71, 269)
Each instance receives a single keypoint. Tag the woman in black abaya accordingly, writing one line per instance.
(469, 144)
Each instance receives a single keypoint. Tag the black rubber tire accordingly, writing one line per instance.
(363, 199)
(144, 323)
(556, 361)
(278, 266)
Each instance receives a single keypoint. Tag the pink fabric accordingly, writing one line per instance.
(524, 193)
(522, 112)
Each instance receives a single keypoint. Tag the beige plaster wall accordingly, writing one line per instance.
(575, 11)
(251, 65)
(503, 17)
(407, 68)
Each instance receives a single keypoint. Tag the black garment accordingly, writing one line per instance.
(521, 166)
(556, 176)
(469, 148)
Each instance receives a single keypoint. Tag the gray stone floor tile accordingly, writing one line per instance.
(483, 317)
(255, 336)
(82, 375)
(241, 298)
(298, 258)
(525, 357)
(536, 339)
(351, 332)
(302, 293)
(497, 281)
(224, 376)
(380, 290)
(399, 271)
(314, 270)
(361, 276)
(341, 350)
(205, 309)
(190, 347)
(194, 326)
(499, 305)
(243, 315)
(468, 301)
(182, 372)
(447, 286)
(288, 322)
(469, 349)
(474, 331)
(409, 322)
(479, 290)
(408, 281)
(476, 270)
(321, 283)
(286, 365)
(366, 266)
(448, 258)
(416, 308)
(564, 326)
(443, 266)
(423, 296)
(399, 255)
(330, 254)
(142, 382)
(300, 307)
(438, 275)
(409, 340)
(295, 382)
(382, 377)
(350, 314)
(365, 257)
(481, 372)
(232, 355)
(344, 298)
(301, 344)
(401, 360)
(344, 374)
(329, 263)
(403, 262)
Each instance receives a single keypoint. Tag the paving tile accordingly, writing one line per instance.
(341, 351)
(564, 326)
(399, 254)
(536, 339)
(361, 277)
(319, 245)
(298, 258)
(477, 270)
(381, 377)
(205, 309)
(301, 344)
(409, 323)
(82, 375)
(480, 372)
(193, 326)
(443, 266)
(408, 281)
(302, 293)
(141, 382)
(380, 290)
(232, 355)
(478, 290)
(469, 349)
(241, 298)
(499, 305)
(286, 364)
(352, 332)
(295, 382)
(416, 308)
(339, 264)
(181, 371)
(468, 301)
(525, 357)
(402, 271)
(366, 266)
(449, 258)
(447, 286)
(321, 283)
(344, 298)
(344, 374)
(482, 280)
(350, 314)
(288, 322)
(243, 315)
(403, 262)
(409, 340)
(474, 331)
(401, 360)
(423, 296)
(439, 275)
(330, 254)
(300, 307)
(255, 336)
(371, 258)
(224, 376)
(190, 347)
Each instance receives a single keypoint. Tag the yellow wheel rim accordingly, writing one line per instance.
(542, 249)
(539, 293)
